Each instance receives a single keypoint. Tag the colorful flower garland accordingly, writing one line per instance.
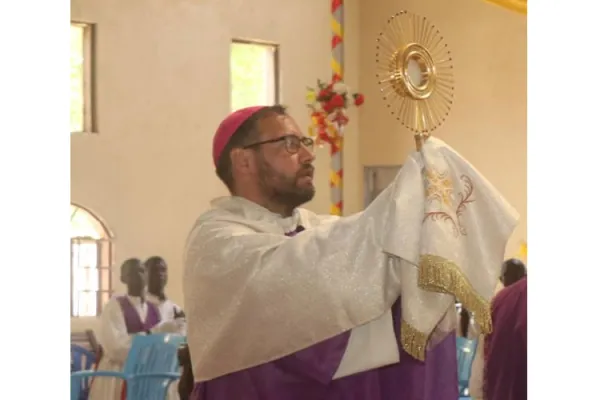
(329, 104)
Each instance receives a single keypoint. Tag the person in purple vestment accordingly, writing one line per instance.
(266, 162)
(122, 317)
(505, 353)
(513, 270)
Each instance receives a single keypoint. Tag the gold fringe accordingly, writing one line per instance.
(413, 341)
(437, 274)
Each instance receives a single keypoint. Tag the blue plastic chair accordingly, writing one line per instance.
(465, 352)
(150, 368)
(82, 359)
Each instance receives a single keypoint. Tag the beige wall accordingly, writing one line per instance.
(162, 88)
(488, 122)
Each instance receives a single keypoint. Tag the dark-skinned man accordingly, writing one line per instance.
(123, 317)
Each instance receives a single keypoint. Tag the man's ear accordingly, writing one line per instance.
(241, 159)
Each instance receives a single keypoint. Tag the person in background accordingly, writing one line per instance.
(122, 317)
(467, 326)
(505, 371)
(157, 270)
(512, 271)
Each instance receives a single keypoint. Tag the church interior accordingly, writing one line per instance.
(152, 79)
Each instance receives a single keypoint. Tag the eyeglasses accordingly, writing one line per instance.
(293, 143)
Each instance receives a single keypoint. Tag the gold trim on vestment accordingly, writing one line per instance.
(437, 274)
(413, 341)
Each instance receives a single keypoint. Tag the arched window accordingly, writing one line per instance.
(91, 263)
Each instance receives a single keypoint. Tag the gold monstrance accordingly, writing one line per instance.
(415, 73)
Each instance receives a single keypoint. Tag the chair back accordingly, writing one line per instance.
(465, 352)
(152, 354)
(82, 359)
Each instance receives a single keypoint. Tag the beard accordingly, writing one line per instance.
(283, 189)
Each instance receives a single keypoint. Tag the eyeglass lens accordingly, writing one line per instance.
(293, 143)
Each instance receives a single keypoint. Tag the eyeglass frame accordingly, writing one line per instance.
(305, 141)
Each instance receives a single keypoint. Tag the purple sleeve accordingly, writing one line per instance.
(318, 362)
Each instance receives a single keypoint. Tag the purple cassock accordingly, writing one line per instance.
(505, 373)
(133, 322)
(307, 375)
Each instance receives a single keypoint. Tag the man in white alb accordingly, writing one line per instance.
(123, 317)
(157, 270)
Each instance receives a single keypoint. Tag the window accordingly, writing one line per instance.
(91, 263)
(254, 74)
(81, 78)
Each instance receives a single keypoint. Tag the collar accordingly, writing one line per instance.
(137, 300)
(251, 210)
(154, 299)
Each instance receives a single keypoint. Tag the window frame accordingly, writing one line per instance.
(89, 77)
(372, 179)
(276, 61)
(104, 252)
(105, 261)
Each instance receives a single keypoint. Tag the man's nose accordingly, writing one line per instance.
(306, 154)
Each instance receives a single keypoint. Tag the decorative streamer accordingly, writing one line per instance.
(328, 103)
(523, 252)
(519, 6)
(337, 144)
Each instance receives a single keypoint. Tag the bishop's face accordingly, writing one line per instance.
(284, 166)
